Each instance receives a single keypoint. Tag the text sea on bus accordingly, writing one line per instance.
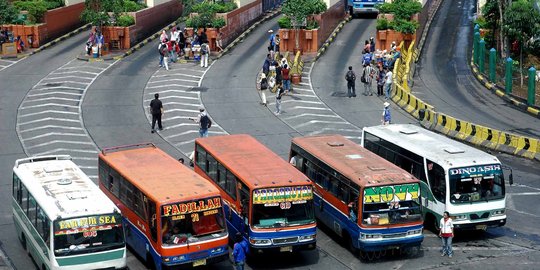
(266, 199)
(466, 182)
(62, 219)
(366, 200)
(172, 215)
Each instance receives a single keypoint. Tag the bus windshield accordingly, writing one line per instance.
(387, 205)
(192, 221)
(283, 206)
(88, 234)
(476, 184)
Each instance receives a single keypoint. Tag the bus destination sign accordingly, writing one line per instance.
(395, 193)
(85, 222)
(282, 194)
(190, 207)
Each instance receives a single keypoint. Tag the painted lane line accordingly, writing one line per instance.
(51, 127)
(172, 97)
(48, 111)
(54, 134)
(60, 150)
(52, 98)
(50, 105)
(77, 71)
(170, 85)
(54, 93)
(173, 73)
(311, 122)
(62, 82)
(309, 108)
(48, 119)
(181, 134)
(59, 141)
(186, 142)
(175, 80)
(174, 91)
(67, 77)
(310, 114)
(181, 125)
(302, 101)
(59, 87)
(326, 129)
(90, 67)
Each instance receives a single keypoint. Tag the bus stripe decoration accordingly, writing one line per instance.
(457, 128)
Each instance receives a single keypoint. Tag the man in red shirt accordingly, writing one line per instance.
(286, 79)
(446, 233)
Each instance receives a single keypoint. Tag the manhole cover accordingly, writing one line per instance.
(198, 89)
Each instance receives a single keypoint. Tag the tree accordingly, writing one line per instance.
(521, 22)
(299, 10)
(8, 13)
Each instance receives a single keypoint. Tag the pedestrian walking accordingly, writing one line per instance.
(164, 52)
(205, 53)
(271, 40)
(380, 81)
(279, 94)
(204, 122)
(366, 58)
(240, 251)
(351, 79)
(386, 116)
(263, 82)
(99, 42)
(286, 78)
(387, 82)
(279, 73)
(367, 47)
(367, 79)
(156, 110)
(372, 45)
(446, 233)
(266, 65)
(277, 41)
(163, 36)
(219, 42)
(203, 38)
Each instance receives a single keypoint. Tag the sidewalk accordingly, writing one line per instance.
(5, 263)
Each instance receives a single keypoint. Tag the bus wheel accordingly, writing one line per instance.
(150, 262)
(23, 241)
(412, 251)
(351, 246)
(431, 222)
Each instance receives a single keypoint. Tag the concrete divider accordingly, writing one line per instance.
(453, 127)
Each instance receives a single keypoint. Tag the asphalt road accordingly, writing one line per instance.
(113, 112)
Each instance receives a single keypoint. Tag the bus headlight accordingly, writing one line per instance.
(306, 238)
(217, 250)
(414, 232)
(174, 259)
(260, 242)
(370, 236)
(499, 212)
(459, 217)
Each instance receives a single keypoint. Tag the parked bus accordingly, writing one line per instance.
(362, 6)
(62, 219)
(466, 182)
(173, 216)
(266, 199)
(369, 202)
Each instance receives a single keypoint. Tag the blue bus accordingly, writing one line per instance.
(362, 6)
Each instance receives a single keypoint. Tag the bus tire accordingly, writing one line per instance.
(432, 223)
(150, 264)
(43, 267)
(354, 250)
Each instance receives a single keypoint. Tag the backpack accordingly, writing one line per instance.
(351, 77)
(264, 84)
(204, 49)
(206, 122)
(363, 78)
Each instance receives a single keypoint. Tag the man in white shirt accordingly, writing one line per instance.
(388, 82)
(446, 233)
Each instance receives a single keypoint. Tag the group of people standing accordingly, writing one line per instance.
(95, 39)
(275, 73)
(180, 44)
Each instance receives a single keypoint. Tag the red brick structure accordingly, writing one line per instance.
(238, 21)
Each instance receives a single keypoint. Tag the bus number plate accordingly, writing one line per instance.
(285, 249)
(199, 262)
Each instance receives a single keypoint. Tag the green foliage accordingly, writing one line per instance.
(95, 18)
(481, 21)
(218, 22)
(8, 13)
(385, 8)
(382, 24)
(36, 11)
(490, 13)
(312, 24)
(318, 6)
(521, 20)
(132, 6)
(52, 4)
(404, 9)
(404, 26)
(284, 22)
(297, 10)
(211, 7)
(125, 20)
(48, 5)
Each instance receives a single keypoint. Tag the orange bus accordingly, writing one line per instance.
(172, 215)
(371, 203)
(266, 199)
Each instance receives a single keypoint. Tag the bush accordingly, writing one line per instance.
(318, 6)
(404, 26)
(218, 22)
(481, 21)
(8, 13)
(312, 24)
(130, 6)
(36, 12)
(284, 22)
(125, 20)
(51, 4)
(385, 8)
(382, 24)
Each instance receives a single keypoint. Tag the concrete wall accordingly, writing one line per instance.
(73, 2)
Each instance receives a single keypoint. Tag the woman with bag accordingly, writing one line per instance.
(263, 85)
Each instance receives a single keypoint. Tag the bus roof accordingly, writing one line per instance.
(353, 161)
(251, 160)
(158, 175)
(435, 147)
(61, 188)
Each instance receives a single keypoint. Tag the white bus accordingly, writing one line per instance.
(460, 179)
(62, 218)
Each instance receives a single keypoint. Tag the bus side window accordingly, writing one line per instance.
(244, 200)
(437, 181)
(17, 188)
(230, 185)
(212, 167)
(152, 219)
(222, 176)
(24, 198)
(200, 158)
(42, 225)
(104, 173)
(32, 210)
(115, 186)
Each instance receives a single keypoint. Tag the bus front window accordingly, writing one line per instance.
(193, 226)
(273, 215)
(88, 234)
(476, 184)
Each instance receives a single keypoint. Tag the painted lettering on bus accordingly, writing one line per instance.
(190, 207)
(282, 194)
(486, 169)
(391, 193)
(86, 222)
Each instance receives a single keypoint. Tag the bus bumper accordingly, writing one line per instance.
(481, 225)
(364, 10)
(285, 248)
(193, 263)
(391, 244)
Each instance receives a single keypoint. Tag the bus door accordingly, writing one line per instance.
(245, 206)
(436, 198)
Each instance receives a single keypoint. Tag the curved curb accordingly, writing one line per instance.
(269, 16)
(422, 41)
(499, 91)
(332, 37)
